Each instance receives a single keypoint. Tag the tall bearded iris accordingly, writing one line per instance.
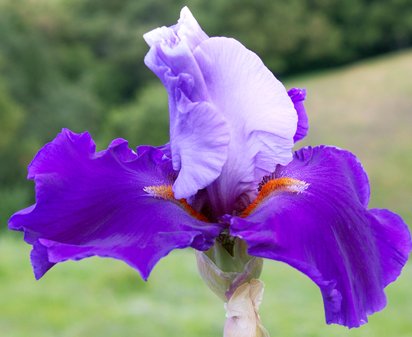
(227, 184)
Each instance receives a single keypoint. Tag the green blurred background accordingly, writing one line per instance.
(79, 64)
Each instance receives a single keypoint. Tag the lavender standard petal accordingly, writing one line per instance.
(326, 232)
(94, 203)
(199, 135)
(259, 112)
(226, 107)
(187, 30)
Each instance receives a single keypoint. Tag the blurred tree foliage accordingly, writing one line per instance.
(79, 63)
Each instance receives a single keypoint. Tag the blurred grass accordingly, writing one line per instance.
(365, 108)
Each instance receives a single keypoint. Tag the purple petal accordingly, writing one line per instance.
(325, 231)
(224, 105)
(94, 203)
(40, 260)
(298, 96)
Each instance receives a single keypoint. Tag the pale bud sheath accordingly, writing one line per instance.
(233, 277)
(242, 317)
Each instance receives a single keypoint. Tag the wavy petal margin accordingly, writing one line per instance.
(326, 232)
(93, 203)
(298, 96)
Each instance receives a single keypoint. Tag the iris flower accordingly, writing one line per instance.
(228, 174)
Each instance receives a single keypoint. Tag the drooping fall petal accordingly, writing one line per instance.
(316, 220)
(105, 203)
